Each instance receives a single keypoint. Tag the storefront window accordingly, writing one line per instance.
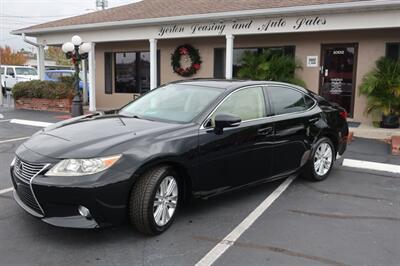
(393, 51)
(132, 72)
(125, 73)
(219, 57)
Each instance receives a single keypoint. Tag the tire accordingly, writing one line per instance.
(143, 211)
(318, 172)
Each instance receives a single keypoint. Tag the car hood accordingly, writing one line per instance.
(88, 137)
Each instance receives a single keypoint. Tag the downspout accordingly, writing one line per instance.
(40, 56)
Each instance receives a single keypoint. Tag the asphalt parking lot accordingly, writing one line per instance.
(352, 218)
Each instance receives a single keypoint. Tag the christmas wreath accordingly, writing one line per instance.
(189, 53)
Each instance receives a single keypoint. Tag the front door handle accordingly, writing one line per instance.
(265, 131)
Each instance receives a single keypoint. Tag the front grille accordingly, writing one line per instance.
(25, 194)
(23, 174)
(25, 171)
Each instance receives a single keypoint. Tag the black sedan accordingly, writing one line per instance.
(194, 138)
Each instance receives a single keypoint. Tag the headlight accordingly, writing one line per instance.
(79, 167)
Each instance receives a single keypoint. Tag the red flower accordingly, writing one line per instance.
(196, 66)
(183, 51)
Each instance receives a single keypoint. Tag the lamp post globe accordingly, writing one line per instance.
(68, 47)
(76, 40)
(77, 51)
(84, 48)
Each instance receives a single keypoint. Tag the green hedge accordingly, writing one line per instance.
(42, 89)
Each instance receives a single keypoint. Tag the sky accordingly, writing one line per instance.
(17, 14)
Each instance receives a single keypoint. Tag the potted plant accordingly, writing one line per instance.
(269, 66)
(381, 86)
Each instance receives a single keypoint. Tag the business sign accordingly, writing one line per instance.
(312, 61)
(246, 26)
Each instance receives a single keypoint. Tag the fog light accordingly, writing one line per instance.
(84, 212)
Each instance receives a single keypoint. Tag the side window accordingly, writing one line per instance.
(10, 71)
(309, 102)
(1, 70)
(247, 103)
(286, 100)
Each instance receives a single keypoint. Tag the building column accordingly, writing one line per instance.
(92, 78)
(229, 56)
(41, 61)
(153, 63)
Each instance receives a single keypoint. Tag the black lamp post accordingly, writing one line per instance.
(77, 51)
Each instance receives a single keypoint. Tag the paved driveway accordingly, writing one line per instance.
(352, 218)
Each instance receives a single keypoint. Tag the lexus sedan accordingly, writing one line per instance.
(194, 138)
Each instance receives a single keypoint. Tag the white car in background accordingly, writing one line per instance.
(11, 75)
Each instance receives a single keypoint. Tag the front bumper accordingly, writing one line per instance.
(55, 200)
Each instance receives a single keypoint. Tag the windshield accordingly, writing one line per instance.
(174, 102)
(58, 75)
(27, 71)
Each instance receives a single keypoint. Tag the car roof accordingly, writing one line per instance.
(232, 84)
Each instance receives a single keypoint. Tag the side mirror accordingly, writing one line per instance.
(226, 120)
(12, 75)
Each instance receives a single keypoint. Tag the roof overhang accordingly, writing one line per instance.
(358, 6)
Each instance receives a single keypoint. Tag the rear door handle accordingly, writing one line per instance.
(265, 131)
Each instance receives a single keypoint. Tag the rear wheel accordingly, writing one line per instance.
(321, 161)
(154, 200)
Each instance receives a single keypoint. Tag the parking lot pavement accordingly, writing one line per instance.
(43, 116)
(352, 218)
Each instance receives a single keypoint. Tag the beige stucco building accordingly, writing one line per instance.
(336, 41)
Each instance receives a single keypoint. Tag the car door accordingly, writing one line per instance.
(239, 155)
(10, 78)
(294, 117)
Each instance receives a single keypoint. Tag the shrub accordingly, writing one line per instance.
(270, 66)
(42, 89)
(69, 81)
(381, 86)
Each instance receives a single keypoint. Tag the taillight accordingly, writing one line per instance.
(343, 114)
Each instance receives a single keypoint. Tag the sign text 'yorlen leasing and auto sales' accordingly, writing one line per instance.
(246, 26)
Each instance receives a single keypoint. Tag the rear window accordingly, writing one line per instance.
(286, 100)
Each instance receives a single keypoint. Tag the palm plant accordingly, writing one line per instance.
(382, 88)
(269, 66)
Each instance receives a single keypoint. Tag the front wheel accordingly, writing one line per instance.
(321, 161)
(154, 200)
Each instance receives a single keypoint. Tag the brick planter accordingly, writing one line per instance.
(55, 105)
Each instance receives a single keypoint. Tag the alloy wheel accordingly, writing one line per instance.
(323, 159)
(165, 201)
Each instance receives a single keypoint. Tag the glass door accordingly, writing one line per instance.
(337, 75)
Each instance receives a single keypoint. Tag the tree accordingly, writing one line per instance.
(57, 55)
(9, 57)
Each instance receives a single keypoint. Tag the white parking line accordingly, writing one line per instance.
(231, 238)
(11, 140)
(4, 191)
(5, 120)
(30, 123)
(385, 167)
